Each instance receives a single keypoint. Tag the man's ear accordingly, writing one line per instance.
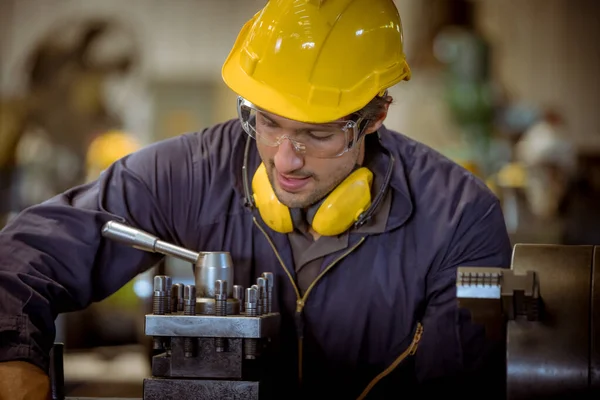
(375, 124)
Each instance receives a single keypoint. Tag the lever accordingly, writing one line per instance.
(144, 241)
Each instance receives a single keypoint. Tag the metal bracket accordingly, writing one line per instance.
(519, 293)
(231, 326)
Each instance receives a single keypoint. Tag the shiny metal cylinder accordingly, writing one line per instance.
(270, 283)
(189, 308)
(221, 298)
(189, 300)
(238, 294)
(221, 310)
(251, 345)
(129, 235)
(169, 287)
(262, 295)
(177, 297)
(145, 241)
(169, 249)
(211, 267)
(159, 299)
(251, 301)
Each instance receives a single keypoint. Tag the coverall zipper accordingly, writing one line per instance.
(301, 301)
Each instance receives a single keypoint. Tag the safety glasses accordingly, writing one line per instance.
(326, 140)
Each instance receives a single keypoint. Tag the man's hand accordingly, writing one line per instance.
(20, 380)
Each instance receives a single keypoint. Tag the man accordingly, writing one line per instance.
(363, 228)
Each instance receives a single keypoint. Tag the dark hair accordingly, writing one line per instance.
(374, 108)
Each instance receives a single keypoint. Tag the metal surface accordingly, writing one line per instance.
(208, 363)
(479, 291)
(144, 241)
(234, 326)
(103, 398)
(211, 267)
(206, 306)
(551, 358)
(186, 389)
(519, 292)
(521, 295)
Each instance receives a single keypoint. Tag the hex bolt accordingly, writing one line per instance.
(221, 297)
(177, 298)
(258, 305)
(220, 309)
(250, 345)
(159, 306)
(251, 301)
(189, 300)
(270, 283)
(168, 294)
(238, 294)
(160, 293)
(262, 295)
(189, 308)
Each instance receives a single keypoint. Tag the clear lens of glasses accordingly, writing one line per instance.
(319, 140)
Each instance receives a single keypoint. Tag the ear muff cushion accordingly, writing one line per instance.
(276, 215)
(345, 204)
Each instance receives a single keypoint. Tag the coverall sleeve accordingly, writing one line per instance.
(53, 258)
(454, 355)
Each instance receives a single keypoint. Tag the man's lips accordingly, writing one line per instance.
(291, 183)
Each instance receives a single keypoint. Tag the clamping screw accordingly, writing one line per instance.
(250, 345)
(189, 308)
(220, 309)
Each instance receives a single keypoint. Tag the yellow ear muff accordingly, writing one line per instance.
(276, 215)
(336, 214)
(345, 204)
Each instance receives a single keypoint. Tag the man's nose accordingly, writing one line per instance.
(287, 159)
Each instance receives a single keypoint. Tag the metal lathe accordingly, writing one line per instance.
(213, 340)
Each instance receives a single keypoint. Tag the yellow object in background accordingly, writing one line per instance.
(108, 148)
(512, 175)
(102, 153)
(472, 167)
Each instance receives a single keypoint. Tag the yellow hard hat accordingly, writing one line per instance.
(108, 148)
(317, 60)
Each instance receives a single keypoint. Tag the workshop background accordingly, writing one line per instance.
(508, 88)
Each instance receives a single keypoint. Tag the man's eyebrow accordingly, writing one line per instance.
(265, 116)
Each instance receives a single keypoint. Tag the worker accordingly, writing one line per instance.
(363, 228)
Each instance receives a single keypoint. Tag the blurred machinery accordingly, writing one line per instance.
(46, 129)
(546, 309)
(469, 91)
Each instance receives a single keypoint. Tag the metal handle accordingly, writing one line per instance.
(57, 374)
(144, 241)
